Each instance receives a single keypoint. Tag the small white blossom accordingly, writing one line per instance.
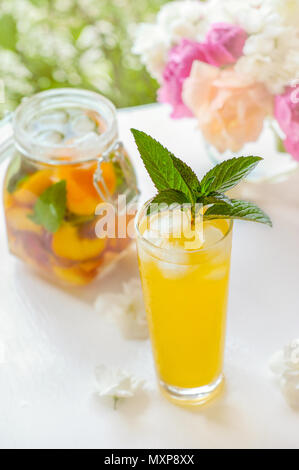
(126, 308)
(175, 21)
(183, 19)
(285, 365)
(271, 57)
(271, 50)
(152, 44)
(116, 383)
(288, 10)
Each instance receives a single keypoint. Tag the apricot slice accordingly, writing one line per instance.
(33, 187)
(68, 244)
(17, 219)
(82, 196)
(73, 275)
(119, 244)
(34, 246)
(8, 199)
(91, 266)
(30, 248)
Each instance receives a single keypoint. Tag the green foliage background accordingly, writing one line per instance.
(74, 43)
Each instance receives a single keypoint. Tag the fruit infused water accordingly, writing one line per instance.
(185, 277)
(66, 161)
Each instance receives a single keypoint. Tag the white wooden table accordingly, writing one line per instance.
(52, 340)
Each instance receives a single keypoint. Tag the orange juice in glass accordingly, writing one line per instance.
(185, 287)
(184, 240)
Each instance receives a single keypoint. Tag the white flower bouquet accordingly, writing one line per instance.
(232, 65)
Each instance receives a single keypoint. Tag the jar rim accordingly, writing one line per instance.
(55, 99)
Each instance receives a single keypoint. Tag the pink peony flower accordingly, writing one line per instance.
(287, 115)
(224, 44)
(179, 66)
(230, 109)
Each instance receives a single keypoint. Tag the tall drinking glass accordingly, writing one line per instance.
(186, 293)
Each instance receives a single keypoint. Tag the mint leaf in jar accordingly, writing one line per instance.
(17, 173)
(50, 208)
(75, 219)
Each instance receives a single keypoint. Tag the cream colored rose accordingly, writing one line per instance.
(230, 109)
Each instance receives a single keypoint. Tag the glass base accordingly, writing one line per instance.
(192, 396)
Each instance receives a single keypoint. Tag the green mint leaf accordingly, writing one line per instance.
(166, 170)
(177, 183)
(16, 181)
(238, 210)
(50, 208)
(75, 219)
(17, 173)
(169, 197)
(22, 180)
(214, 198)
(13, 174)
(205, 185)
(229, 173)
(188, 174)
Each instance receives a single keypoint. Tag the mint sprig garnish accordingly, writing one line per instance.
(229, 173)
(170, 196)
(238, 210)
(50, 208)
(177, 183)
(215, 197)
(166, 170)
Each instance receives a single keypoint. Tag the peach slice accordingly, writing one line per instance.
(30, 248)
(82, 196)
(17, 219)
(91, 266)
(74, 275)
(33, 187)
(34, 246)
(68, 244)
(8, 199)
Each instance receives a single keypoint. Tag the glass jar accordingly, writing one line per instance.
(66, 159)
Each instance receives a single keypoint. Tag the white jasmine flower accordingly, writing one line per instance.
(183, 19)
(289, 10)
(116, 383)
(152, 44)
(285, 365)
(176, 20)
(249, 14)
(271, 57)
(271, 50)
(286, 359)
(126, 308)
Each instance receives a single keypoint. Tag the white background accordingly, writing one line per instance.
(52, 340)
